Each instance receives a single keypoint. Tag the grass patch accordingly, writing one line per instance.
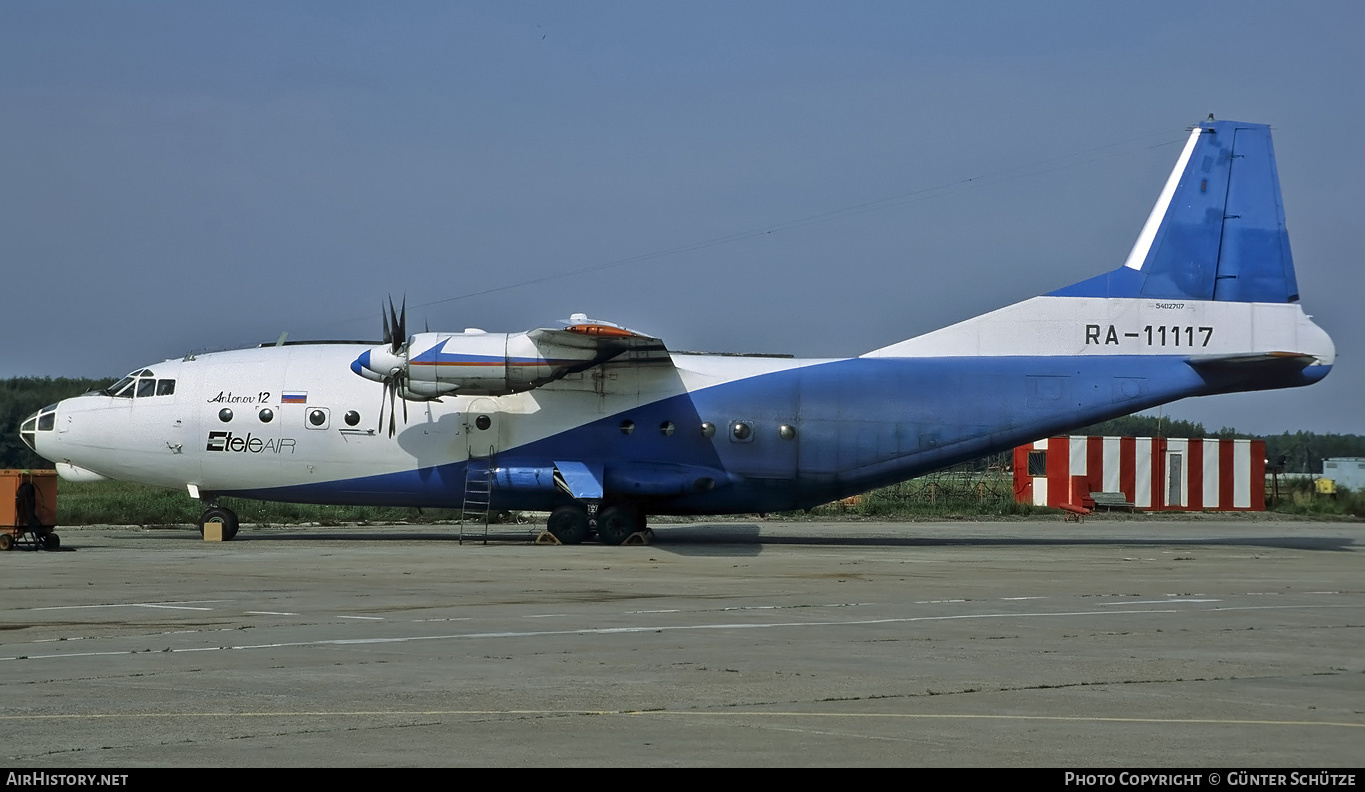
(1299, 496)
(954, 494)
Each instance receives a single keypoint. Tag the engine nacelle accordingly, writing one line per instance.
(476, 363)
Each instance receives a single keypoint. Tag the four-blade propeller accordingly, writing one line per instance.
(396, 336)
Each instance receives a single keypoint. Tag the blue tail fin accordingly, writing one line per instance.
(1217, 231)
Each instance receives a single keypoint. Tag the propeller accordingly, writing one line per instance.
(396, 336)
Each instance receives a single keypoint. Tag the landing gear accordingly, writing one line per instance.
(569, 524)
(227, 518)
(615, 524)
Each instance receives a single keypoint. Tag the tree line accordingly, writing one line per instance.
(1303, 452)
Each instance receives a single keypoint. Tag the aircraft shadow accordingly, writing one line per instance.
(679, 538)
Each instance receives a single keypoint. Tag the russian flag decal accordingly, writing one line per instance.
(294, 397)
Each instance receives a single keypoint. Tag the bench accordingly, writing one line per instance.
(1111, 500)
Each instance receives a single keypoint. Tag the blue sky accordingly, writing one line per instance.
(190, 176)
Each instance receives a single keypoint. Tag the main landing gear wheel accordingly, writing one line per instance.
(225, 517)
(615, 524)
(568, 524)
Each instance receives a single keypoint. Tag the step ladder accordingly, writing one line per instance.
(478, 493)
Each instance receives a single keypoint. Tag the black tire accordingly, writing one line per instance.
(615, 524)
(51, 541)
(6, 542)
(225, 517)
(568, 524)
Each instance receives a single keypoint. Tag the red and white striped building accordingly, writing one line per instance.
(1155, 474)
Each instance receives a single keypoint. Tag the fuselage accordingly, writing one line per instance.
(700, 434)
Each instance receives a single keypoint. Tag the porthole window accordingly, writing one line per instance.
(708, 429)
(666, 428)
(627, 426)
(786, 431)
(317, 417)
(266, 415)
(352, 418)
(225, 415)
(741, 432)
(483, 422)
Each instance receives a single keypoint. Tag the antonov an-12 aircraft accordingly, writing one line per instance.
(602, 426)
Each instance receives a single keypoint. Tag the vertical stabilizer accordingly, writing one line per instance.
(1217, 231)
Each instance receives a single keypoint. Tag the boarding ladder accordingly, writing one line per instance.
(478, 493)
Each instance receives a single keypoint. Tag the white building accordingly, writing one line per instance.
(1346, 472)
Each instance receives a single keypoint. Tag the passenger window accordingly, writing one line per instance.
(145, 387)
(165, 387)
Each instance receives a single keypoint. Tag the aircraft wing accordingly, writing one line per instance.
(609, 340)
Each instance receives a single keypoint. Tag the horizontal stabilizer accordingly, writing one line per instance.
(1286, 360)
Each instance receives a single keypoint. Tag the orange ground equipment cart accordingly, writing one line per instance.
(28, 508)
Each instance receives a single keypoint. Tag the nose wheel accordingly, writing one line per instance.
(223, 518)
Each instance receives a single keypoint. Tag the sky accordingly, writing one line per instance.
(812, 178)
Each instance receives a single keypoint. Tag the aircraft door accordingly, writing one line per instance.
(183, 427)
(482, 428)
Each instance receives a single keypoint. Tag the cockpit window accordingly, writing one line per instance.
(46, 421)
(122, 389)
(141, 384)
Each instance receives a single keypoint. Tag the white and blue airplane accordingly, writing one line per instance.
(602, 426)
